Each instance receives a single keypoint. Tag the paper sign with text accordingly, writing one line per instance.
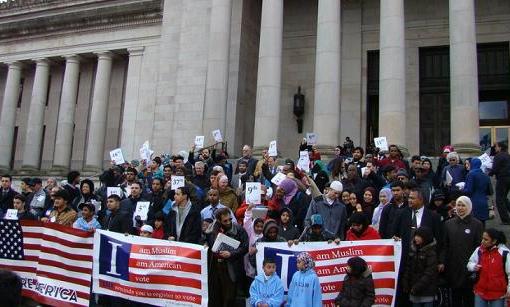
(199, 141)
(381, 143)
(311, 138)
(217, 136)
(177, 182)
(117, 157)
(272, 152)
(252, 193)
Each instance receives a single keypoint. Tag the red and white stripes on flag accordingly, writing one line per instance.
(383, 256)
(57, 265)
(151, 271)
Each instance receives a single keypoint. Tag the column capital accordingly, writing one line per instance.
(136, 51)
(42, 61)
(72, 58)
(14, 65)
(104, 55)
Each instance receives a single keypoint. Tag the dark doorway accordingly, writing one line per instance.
(434, 99)
(372, 95)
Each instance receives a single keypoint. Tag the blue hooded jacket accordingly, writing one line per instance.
(304, 290)
(269, 292)
(478, 188)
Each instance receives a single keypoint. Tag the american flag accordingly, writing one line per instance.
(54, 261)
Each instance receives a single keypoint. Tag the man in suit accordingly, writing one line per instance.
(7, 194)
(411, 218)
(241, 177)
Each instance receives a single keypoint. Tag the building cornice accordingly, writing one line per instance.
(39, 18)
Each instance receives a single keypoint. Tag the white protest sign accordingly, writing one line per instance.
(311, 138)
(449, 178)
(217, 136)
(381, 143)
(486, 161)
(146, 152)
(252, 193)
(142, 208)
(304, 161)
(177, 182)
(114, 190)
(199, 141)
(117, 157)
(279, 177)
(272, 152)
(12, 214)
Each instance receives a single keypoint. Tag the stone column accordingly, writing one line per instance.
(217, 68)
(131, 100)
(35, 123)
(8, 114)
(65, 125)
(98, 114)
(267, 113)
(392, 89)
(326, 116)
(463, 77)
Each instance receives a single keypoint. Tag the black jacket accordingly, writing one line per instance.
(389, 215)
(403, 229)
(118, 221)
(191, 230)
(7, 199)
(501, 165)
(235, 263)
(461, 238)
(357, 292)
(420, 274)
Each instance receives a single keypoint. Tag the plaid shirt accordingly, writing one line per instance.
(67, 217)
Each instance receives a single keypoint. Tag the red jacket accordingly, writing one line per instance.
(492, 283)
(158, 233)
(369, 234)
(397, 163)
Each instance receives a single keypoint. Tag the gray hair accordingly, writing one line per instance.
(199, 163)
(218, 168)
(453, 155)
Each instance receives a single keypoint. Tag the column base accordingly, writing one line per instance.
(92, 170)
(58, 170)
(466, 150)
(28, 170)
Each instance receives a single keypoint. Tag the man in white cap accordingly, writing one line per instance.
(331, 209)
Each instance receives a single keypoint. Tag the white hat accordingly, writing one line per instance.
(147, 228)
(337, 186)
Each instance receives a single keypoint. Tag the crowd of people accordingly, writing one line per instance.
(439, 216)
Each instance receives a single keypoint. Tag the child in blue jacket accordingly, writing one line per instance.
(305, 289)
(266, 290)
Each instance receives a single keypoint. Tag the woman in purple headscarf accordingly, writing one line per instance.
(288, 196)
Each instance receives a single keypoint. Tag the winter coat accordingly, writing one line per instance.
(228, 197)
(478, 188)
(191, 229)
(357, 292)
(6, 200)
(461, 238)
(369, 234)
(420, 274)
(304, 290)
(334, 215)
(492, 283)
(266, 291)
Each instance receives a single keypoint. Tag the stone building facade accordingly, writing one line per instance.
(81, 77)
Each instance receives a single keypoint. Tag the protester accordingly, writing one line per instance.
(316, 231)
(369, 201)
(478, 187)
(146, 231)
(420, 277)
(385, 197)
(87, 221)
(267, 288)
(333, 212)
(501, 170)
(491, 264)
(159, 230)
(439, 205)
(225, 266)
(254, 229)
(462, 235)
(19, 205)
(213, 197)
(38, 200)
(61, 213)
(304, 289)
(357, 290)
(287, 229)
(228, 196)
(184, 218)
(87, 194)
(392, 210)
(73, 179)
(118, 220)
(360, 229)
(7, 193)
